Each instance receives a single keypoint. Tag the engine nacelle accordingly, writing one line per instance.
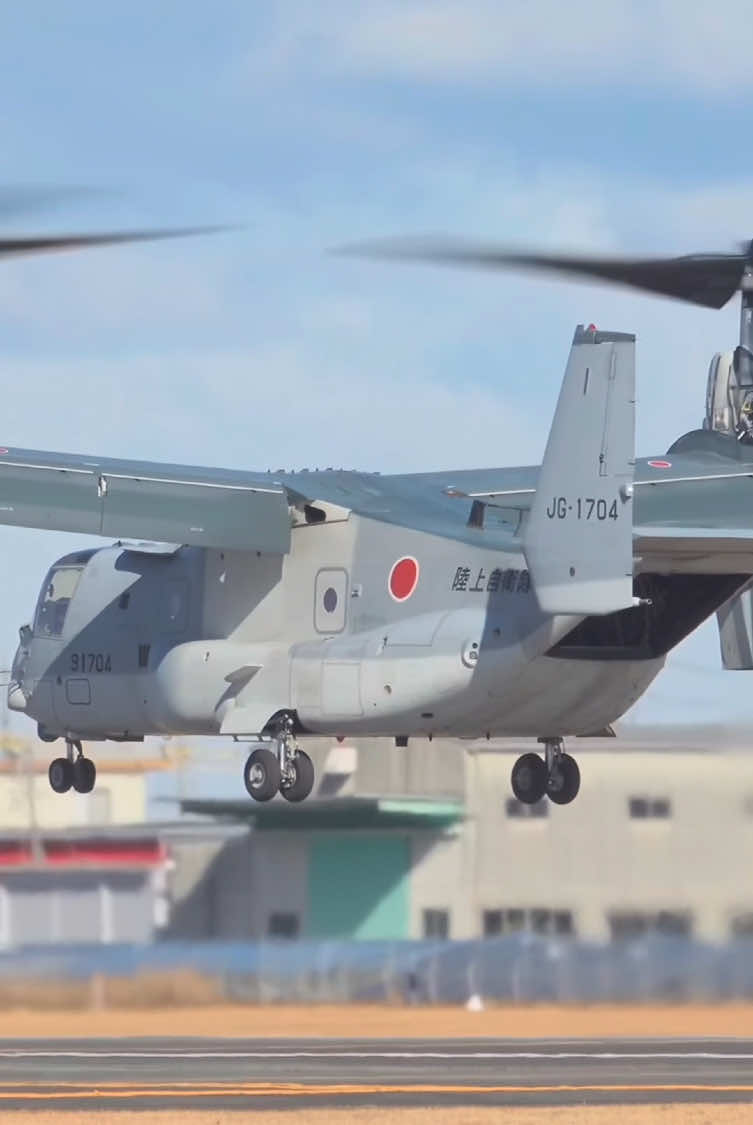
(729, 385)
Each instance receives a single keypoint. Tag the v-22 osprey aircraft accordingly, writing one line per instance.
(536, 601)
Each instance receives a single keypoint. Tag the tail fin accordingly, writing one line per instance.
(578, 539)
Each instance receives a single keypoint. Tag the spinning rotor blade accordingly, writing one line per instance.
(17, 199)
(40, 244)
(702, 279)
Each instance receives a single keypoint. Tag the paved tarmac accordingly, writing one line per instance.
(93, 1075)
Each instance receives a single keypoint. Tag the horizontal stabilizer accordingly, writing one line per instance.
(694, 550)
(578, 539)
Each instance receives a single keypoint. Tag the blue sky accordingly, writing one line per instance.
(619, 127)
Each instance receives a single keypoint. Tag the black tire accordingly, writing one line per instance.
(299, 789)
(529, 778)
(84, 775)
(563, 786)
(261, 774)
(60, 775)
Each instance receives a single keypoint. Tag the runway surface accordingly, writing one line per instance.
(91, 1075)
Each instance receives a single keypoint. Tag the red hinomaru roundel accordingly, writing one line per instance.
(403, 578)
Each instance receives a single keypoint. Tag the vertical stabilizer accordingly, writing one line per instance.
(579, 536)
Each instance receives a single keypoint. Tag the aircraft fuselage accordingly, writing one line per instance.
(364, 627)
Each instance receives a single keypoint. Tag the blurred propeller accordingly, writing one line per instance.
(702, 279)
(18, 199)
(40, 244)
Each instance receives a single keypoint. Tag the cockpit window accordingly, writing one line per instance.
(59, 587)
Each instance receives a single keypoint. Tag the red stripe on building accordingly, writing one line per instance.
(84, 853)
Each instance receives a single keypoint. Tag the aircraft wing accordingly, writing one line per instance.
(144, 500)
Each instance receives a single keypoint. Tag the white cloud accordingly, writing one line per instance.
(655, 44)
(274, 408)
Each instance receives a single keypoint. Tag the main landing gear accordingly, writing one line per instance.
(281, 767)
(73, 771)
(556, 775)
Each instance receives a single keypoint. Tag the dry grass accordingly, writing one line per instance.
(267, 1021)
(456, 1115)
(179, 989)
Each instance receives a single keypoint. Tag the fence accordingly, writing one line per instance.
(520, 969)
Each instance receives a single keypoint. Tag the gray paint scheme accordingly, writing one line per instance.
(138, 500)
(230, 629)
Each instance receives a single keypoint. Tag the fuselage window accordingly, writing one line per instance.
(59, 587)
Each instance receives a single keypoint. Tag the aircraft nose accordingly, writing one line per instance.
(16, 698)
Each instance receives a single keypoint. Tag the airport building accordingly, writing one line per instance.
(78, 868)
(395, 843)
(428, 841)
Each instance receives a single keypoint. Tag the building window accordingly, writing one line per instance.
(673, 923)
(283, 924)
(562, 921)
(645, 808)
(521, 811)
(626, 925)
(623, 927)
(515, 921)
(437, 924)
(539, 920)
(493, 923)
(741, 925)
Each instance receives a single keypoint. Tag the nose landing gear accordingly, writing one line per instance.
(73, 771)
(556, 775)
(281, 767)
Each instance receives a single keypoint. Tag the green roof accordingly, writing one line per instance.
(339, 812)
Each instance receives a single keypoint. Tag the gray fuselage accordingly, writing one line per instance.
(193, 641)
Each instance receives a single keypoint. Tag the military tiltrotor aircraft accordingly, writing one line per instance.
(534, 601)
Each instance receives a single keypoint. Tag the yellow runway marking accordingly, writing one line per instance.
(69, 1091)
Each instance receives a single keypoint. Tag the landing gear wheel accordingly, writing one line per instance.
(564, 780)
(84, 775)
(303, 779)
(261, 774)
(60, 774)
(529, 778)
